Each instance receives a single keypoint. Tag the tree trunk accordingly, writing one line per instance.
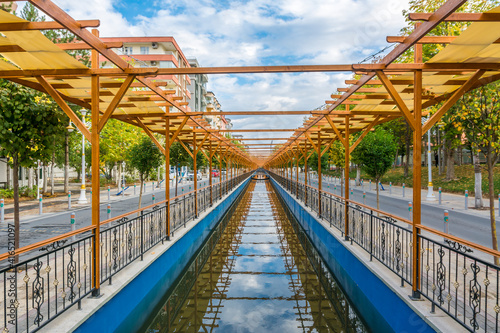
(459, 155)
(30, 178)
(140, 191)
(358, 175)
(66, 164)
(491, 193)
(45, 176)
(177, 178)
(377, 186)
(16, 203)
(450, 164)
(8, 176)
(478, 192)
(52, 173)
(407, 153)
(119, 176)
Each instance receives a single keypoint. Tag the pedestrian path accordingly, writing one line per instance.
(449, 201)
(29, 209)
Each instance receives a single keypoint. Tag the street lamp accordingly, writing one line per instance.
(83, 198)
(430, 188)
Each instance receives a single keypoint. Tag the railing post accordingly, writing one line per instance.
(371, 235)
(142, 235)
(417, 181)
(167, 178)
(96, 248)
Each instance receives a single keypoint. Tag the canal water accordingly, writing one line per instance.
(256, 273)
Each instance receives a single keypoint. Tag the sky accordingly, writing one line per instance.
(258, 32)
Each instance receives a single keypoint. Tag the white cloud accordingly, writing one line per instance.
(231, 33)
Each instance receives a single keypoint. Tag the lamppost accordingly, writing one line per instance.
(82, 199)
(430, 188)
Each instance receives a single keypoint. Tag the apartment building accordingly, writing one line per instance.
(161, 52)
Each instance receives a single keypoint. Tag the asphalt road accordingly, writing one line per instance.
(474, 228)
(53, 224)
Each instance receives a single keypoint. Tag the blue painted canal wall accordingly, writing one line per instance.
(379, 306)
(131, 306)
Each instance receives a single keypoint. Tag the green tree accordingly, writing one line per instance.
(116, 138)
(376, 154)
(478, 118)
(144, 156)
(313, 161)
(28, 124)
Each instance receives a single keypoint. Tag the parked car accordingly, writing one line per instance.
(190, 175)
(215, 173)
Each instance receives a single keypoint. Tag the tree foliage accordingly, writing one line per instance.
(313, 161)
(376, 154)
(145, 157)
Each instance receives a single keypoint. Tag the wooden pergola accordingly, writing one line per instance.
(384, 91)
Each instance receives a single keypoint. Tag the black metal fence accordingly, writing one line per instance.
(37, 289)
(464, 286)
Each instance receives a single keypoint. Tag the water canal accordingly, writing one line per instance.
(256, 273)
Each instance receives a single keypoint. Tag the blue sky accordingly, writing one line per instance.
(258, 32)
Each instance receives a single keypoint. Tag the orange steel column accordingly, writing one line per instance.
(297, 174)
(346, 178)
(167, 176)
(305, 174)
(417, 182)
(96, 248)
(320, 181)
(210, 173)
(195, 177)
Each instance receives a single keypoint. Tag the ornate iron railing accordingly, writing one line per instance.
(42, 286)
(463, 285)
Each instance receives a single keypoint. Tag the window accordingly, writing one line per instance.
(127, 50)
(144, 49)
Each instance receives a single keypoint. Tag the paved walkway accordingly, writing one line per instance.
(449, 201)
(29, 209)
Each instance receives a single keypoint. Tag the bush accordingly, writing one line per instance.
(6, 194)
(25, 191)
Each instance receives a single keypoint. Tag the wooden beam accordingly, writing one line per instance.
(179, 129)
(69, 23)
(18, 26)
(368, 129)
(85, 46)
(458, 17)
(428, 40)
(185, 148)
(335, 129)
(202, 142)
(215, 150)
(395, 96)
(328, 146)
(62, 104)
(310, 140)
(116, 100)
(452, 100)
(151, 136)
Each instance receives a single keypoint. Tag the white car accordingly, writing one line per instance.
(190, 175)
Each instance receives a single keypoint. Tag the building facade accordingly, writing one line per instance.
(161, 52)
